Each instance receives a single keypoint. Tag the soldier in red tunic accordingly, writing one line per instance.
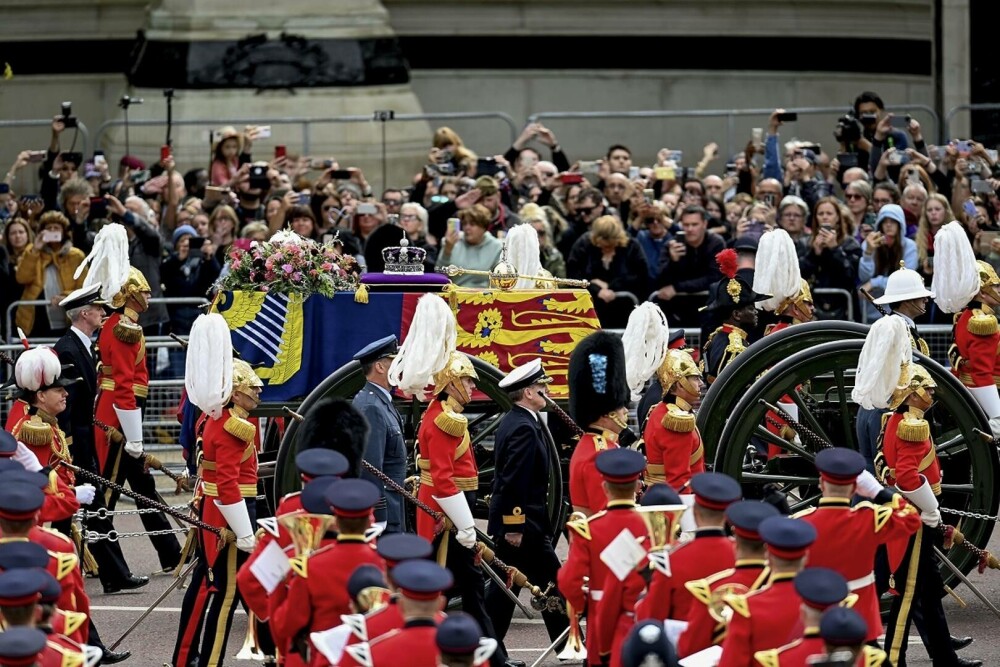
(768, 618)
(226, 390)
(583, 576)
(844, 629)
(449, 476)
(123, 381)
(421, 583)
(317, 594)
(60, 499)
(20, 593)
(598, 402)
(971, 289)
(820, 588)
(859, 529)
(705, 624)
(709, 552)
(460, 642)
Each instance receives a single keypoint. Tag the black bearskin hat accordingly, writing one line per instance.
(597, 383)
(333, 423)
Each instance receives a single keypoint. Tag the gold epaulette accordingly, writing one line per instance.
(582, 526)
(65, 563)
(600, 443)
(982, 324)
(738, 603)
(872, 657)
(127, 331)
(700, 590)
(769, 658)
(240, 428)
(736, 343)
(452, 423)
(678, 420)
(913, 430)
(74, 621)
(34, 432)
(806, 512)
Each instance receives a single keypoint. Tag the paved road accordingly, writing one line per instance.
(152, 643)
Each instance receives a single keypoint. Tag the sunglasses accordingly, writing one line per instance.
(852, 195)
(586, 210)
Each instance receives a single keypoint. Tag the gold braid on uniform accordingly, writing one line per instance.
(450, 421)
(982, 323)
(127, 330)
(678, 419)
(913, 427)
(238, 426)
(34, 432)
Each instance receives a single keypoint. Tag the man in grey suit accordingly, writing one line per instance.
(385, 448)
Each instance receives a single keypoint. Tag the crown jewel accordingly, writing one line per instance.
(404, 259)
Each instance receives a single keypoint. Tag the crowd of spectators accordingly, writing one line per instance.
(857, 208)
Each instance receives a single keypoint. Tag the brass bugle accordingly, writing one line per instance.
(451, 271)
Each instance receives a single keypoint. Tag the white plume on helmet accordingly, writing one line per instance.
(108, 261)
(432, 338)
(208, 373)
(523, 253)
(36, 368)
(956, 276)
(776, 269)
(886, 348)
(646, 341)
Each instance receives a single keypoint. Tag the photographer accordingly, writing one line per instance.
(189, 271)
(46, 271)
(588, 205)
(145, 251)
(883, 250)
(545, 136)
(58, 167)
(793, 217)
(471, 247)
(832, 258)
(688, 266)
(230, 152)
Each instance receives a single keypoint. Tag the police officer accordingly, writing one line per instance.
(384, 447)
(519, 520)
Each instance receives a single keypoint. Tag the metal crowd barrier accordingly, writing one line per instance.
(83, 146)
(950, 116)
(702, 296)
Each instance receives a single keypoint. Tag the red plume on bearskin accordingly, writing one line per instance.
(727, 262)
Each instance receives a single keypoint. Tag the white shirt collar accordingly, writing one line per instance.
(383, 389)
(530, 412)
(84, 338)
(910, 323)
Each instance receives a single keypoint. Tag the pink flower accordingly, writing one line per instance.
(287, 268)
(297, 277)
(327, 266)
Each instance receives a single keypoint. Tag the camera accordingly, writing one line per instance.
(848, 129)
(384, 115)
(68, 119)
(258, 177)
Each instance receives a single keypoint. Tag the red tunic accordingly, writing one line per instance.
(229, 471)
(674, 451)
(616, 614)
(702, 630)
(764, 619)
(65, 567)
(974, 358)
(47, 443)
(589, 537)
(373, 625)
(71, 624)
(793, 654)
(18, 410)
(317, 594)
(709, 552)
(447, 464)
(417, 641)
(122, 378)
(585, 482)
(251, 590)
(60, 500)
(858, 530)
(59, 652)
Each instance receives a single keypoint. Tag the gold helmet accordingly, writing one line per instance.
(459, 366)
(988, 277)
(678, 367)
(134, 286)
(913, 379)
(244, 376)
(804, 296)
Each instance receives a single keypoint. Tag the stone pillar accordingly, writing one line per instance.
(957, 65)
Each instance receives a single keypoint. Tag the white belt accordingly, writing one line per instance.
(861, 582)
(596, 595)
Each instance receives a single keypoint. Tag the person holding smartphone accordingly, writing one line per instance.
(882, 253)
(832, 258)
(46, 272)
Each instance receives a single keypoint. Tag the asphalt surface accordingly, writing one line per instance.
(152, 642)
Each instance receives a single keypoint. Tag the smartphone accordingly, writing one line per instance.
(279, 152)
(788, 117)
(985, 242)
(633, 173)
(214, 194)
(99, 159)
(367, 208)
(164, 153)
(487, 166)
(340, 174)
(970, 208)
(648, 195)
(901, 122)
(51, 237)
(36, 156)
(454, 225)
(769, 199)
(589, 167)
(757, 134)
(676, 157)
(664, 173)
(963, 147)
(847, 160)
(978, 186)
(304, 199)
(263, 131)
(98, 209)
(195, 243)
(571, 179)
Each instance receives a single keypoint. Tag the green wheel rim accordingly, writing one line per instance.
(485, 416)
(970, 467)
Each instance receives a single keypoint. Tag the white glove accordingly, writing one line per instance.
(238, 518)
(27, 458)
(85, 494)
(931, 519)
(247, 544)
(868, 486)
(457, 509)
(989, 401)
(131, 423)
(134, 449)
(995, 427)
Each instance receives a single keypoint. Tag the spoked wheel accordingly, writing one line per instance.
(820, 381)
(484, 417)
(733, 383)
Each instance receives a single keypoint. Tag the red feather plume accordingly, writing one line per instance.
(727, 262)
